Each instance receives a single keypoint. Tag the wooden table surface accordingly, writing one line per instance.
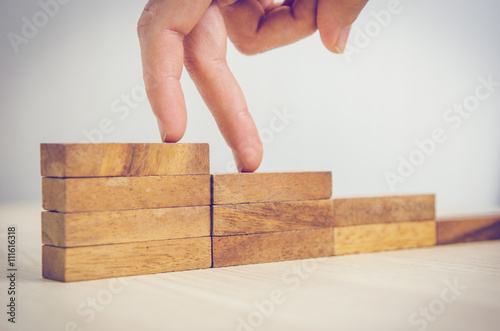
(454, 287)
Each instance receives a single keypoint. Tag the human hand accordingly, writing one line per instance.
(173, 32)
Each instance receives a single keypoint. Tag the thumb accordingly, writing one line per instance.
(334, 19)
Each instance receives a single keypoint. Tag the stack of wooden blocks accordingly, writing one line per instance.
(124, 209)
(266, 217)
(364, 225)
(118, 210)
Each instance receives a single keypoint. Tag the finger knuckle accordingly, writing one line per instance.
(148, 16)
(247, 45)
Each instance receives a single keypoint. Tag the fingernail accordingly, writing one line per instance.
(163, 131)
(342, 40)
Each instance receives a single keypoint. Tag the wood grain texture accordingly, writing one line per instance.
(272, 247)
(468, 229)
(358, 211)
(129, 259)
(270, 187)
(121, 193)
(111, 227)
(271, 217)
(104, 160)
(384, 237)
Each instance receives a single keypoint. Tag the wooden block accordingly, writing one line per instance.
(468, 229)
(272, 247)
(130, 259)
(251, 218)
(384, 237)
(358, 211)
(112, 227)
(270, 187)
(120, 193)
(104, 160)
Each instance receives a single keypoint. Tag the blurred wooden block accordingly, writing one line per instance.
(104, 160)
(252, 218)
(358, 211)
(130, 259)
(272, 247)
(111, 227)
(120, 193)
(271, 187)
(384, 237)
(468, 229)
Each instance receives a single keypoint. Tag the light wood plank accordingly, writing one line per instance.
(111, 227)
(272, 247)
(270, 187)
(358, 211)
(468, 229)
(104, 160)
(129, 259)
(121, 193)
(383, 237)
(271, 217)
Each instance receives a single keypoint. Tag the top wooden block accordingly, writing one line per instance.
(358, 211)
(269, 187)
(109, 160)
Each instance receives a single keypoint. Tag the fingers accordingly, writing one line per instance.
(161, 29)
(334, 21)
(164, 29)
(257, 26)
(205, 60)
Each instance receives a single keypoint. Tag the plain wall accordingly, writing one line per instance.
(356, 114)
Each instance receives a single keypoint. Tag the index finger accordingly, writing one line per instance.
(161, 30)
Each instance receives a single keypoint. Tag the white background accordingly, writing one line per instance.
(354, 115)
